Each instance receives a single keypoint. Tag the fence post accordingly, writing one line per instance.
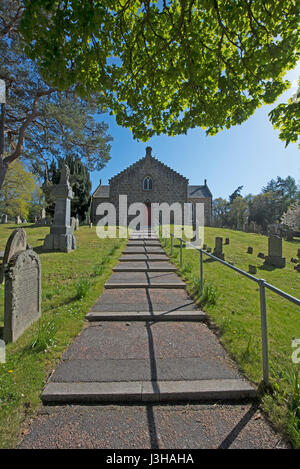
(201, 271)
(180, 252)
(171, 245)
(264, 331)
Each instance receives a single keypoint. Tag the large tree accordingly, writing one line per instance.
(284, 192)
(16, 192)
(41, 121)
(167, 66)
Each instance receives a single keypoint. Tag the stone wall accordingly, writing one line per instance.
(207, 208)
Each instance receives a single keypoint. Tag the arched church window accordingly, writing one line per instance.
(147, 184)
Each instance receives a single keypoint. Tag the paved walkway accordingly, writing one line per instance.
(147, 343)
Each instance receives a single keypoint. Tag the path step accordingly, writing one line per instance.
(143, 257)
(146, 243)
(144, 266)
(147, 316)
(143, 250)
(145, 280)
(173, 285)
(139, 391)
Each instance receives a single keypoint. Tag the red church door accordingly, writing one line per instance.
(148, 213)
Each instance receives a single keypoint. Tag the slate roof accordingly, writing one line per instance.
(101, 191)
(199, 191)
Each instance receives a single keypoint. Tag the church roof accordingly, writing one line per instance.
(101, 191)
(199, 191)
(137, 163)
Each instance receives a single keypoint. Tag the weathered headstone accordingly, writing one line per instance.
(297, 267)
(61, 237)
(208, 249)
(18, 220)
(22, 296)
(76, 223)
(204, 247)
(261, 255)
(218, 250)
(274, 256)
(3, 219)
(43, 213)
(252, 269)
(294, 260)
(250, 250)
(289, 235)
(226, 241)
(73, 223)
(17, 242)
(298, 253)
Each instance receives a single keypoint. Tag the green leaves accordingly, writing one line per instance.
(167, 68)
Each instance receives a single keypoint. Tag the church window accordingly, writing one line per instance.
(147, 184)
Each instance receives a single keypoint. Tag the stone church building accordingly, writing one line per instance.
(148, 181)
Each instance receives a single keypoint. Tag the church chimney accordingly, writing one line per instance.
(100, 182)
(148, 151)
(205, 181)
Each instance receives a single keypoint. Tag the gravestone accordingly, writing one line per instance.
(3, 219)
(218, 250)
(43, 213)
(61, 237)
(289, 235)
(208, 249)
(294, 260)
(76, 223)
(274, 256)
(17, 242)
(73, 223)
(22, 295)
(18, 220)
(252, 269)
(297, 267)
(226, 241)
(298, 253)
(261, 255)
(204, 247)
(250, 250)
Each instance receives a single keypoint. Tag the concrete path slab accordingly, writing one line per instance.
(144, 250)
(143, 257)
(144, 280)
(145, 242)
(145, 266)
(204, 426)
(143, 299)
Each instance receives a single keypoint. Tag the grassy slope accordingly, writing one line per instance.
(27, 367)
(237, 314)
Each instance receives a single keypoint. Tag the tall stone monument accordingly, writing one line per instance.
(274, 256)
(61, 237)
(4, 219)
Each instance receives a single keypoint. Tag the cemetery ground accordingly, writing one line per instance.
(71, 283)
(235, 317)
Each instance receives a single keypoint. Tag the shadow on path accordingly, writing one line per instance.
(230, 438)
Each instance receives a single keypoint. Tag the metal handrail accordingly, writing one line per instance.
(262, 286)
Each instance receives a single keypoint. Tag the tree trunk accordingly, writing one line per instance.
(3, 170)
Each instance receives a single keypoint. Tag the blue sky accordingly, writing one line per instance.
(249, 155)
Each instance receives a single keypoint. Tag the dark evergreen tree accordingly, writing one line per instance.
(80, 183)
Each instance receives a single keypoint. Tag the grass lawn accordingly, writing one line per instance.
(65, 278)
(236, 314)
